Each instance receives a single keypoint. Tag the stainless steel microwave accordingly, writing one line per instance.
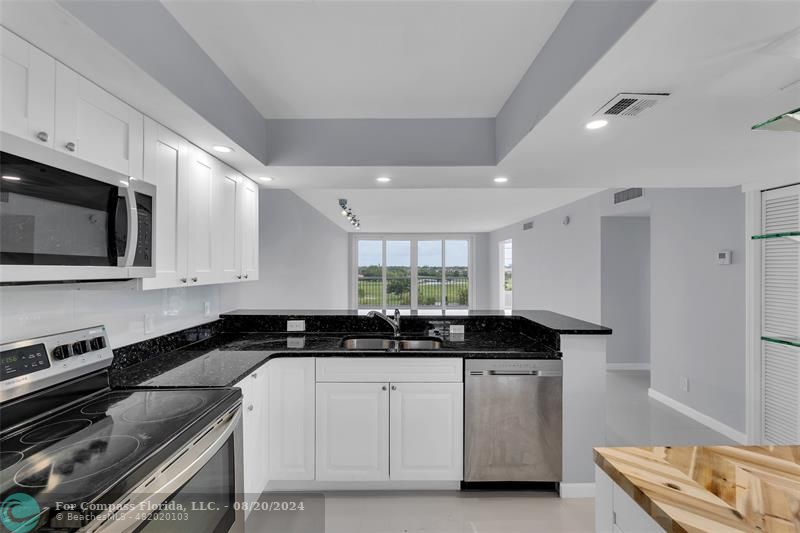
(63, 219)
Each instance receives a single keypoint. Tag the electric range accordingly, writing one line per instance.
(75, 454)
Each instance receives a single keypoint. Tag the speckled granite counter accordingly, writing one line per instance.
(223, 359)
(710, 488)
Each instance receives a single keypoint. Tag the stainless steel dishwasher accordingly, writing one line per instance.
(512, 420)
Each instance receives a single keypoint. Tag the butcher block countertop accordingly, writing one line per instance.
(711, 488)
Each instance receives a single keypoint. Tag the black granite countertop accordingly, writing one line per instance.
(225, 358)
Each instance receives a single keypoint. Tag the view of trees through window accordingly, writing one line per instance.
(413, 273)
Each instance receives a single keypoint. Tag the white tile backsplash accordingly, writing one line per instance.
(29, 311)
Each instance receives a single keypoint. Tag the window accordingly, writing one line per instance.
(413, 273)
(505, 274)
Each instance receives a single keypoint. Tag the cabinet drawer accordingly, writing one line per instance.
(390, 369)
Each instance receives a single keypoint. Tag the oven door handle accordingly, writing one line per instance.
(180, 468)
(133, 226)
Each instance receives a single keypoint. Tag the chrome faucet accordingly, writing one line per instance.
(394, 322)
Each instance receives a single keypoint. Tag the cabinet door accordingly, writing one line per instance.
(198, 197)
(163, 159)
(352, 432)
(249, 231)
(96, 126)
(227, 226)
(291, 418)
(28, 85)
(254, 434)
(427, 431)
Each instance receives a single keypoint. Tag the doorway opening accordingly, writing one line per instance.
(505, 277)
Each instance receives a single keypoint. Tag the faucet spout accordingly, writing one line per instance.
(394, 322)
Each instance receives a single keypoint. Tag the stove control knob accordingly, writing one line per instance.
(98, 343)
(62, 352)
(80, 347)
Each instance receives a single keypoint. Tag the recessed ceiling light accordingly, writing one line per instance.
(596, 124)
(383, 179)
(12, 178)
(500, 179)
(265, 178)
(222, 149)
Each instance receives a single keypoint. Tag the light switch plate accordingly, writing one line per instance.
(295, 325)
(295, 342)
(206, 308)
(149, 323)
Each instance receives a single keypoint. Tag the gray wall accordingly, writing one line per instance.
(303, 262)
(625, 288)
(697, 307)
(698, 311)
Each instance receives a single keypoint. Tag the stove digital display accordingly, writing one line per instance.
(21, 361)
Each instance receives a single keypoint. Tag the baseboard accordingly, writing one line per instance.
(576, 490)
(696, 415)
(628, 366)
(318, 486)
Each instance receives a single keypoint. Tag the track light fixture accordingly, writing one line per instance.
(348, 213)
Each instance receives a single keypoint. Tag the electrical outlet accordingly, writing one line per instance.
(206, 308)
(684, 384)
(149, 323)
(456, 329)
(295, 325)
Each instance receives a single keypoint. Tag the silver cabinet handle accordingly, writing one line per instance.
(42, 136)
(70, 146)
(394, 387)
(383, 388)
(254, 375)
(239, 276)
(250, 407)
(183, 280)
(245, 276)
(194, 279)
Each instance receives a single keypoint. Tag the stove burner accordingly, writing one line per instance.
(102, 405)
(8, 459)
(55, 431)
(160, 407)
(76, 461)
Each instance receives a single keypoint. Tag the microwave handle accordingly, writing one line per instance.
(133, 226)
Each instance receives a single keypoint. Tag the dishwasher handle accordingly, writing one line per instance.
(538, 373)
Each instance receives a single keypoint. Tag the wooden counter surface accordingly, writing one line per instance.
(711, 488)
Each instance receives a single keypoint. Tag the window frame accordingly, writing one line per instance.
(414, 239)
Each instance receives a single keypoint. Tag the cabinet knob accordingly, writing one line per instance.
(194, 280)
(250, 407)
(245, 276)
(239, 276)
(42, 136)
(183, 280)
(70, 147)
(394, 387)
(383, 388)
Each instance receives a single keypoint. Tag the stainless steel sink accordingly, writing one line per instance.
(391, 344)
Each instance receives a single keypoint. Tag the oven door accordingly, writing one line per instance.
(199, 489)
(63, 219)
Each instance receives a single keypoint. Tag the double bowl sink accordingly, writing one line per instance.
(391, 344)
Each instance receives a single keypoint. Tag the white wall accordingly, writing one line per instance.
(30, 311)
(304, 259)
(698, 312)
(697, 307)
(625, 289)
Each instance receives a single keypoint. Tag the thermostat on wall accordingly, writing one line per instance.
(724, 257)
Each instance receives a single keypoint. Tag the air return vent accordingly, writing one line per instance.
(628, 194)
(526, 226)
(630, 104)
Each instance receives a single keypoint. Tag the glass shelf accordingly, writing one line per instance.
(786, 122)
(793, 235)
(789, 341)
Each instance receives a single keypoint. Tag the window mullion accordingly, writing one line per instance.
(383, 275)
(414, 300)
(444, 277)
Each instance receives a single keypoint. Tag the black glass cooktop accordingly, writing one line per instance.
(105, 444)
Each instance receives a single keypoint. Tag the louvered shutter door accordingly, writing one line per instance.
(781, 317)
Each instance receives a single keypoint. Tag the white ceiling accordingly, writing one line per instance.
(384, 59)
(438, 210)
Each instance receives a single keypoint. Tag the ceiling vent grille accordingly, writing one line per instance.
(628, 194)
(527, 225)
(630, 104)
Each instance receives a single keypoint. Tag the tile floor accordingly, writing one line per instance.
(633, 418)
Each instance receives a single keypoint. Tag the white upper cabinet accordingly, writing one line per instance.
(427, 431)
(249, 230)
(227, 226)
(95, 126)
(164, 156)
(200, 176)
(352, 431)
(28, 90)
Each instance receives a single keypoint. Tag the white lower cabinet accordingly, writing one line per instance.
(254, 434)
(426, 431)
(352, 431)
(291, 418)
(616, 512)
